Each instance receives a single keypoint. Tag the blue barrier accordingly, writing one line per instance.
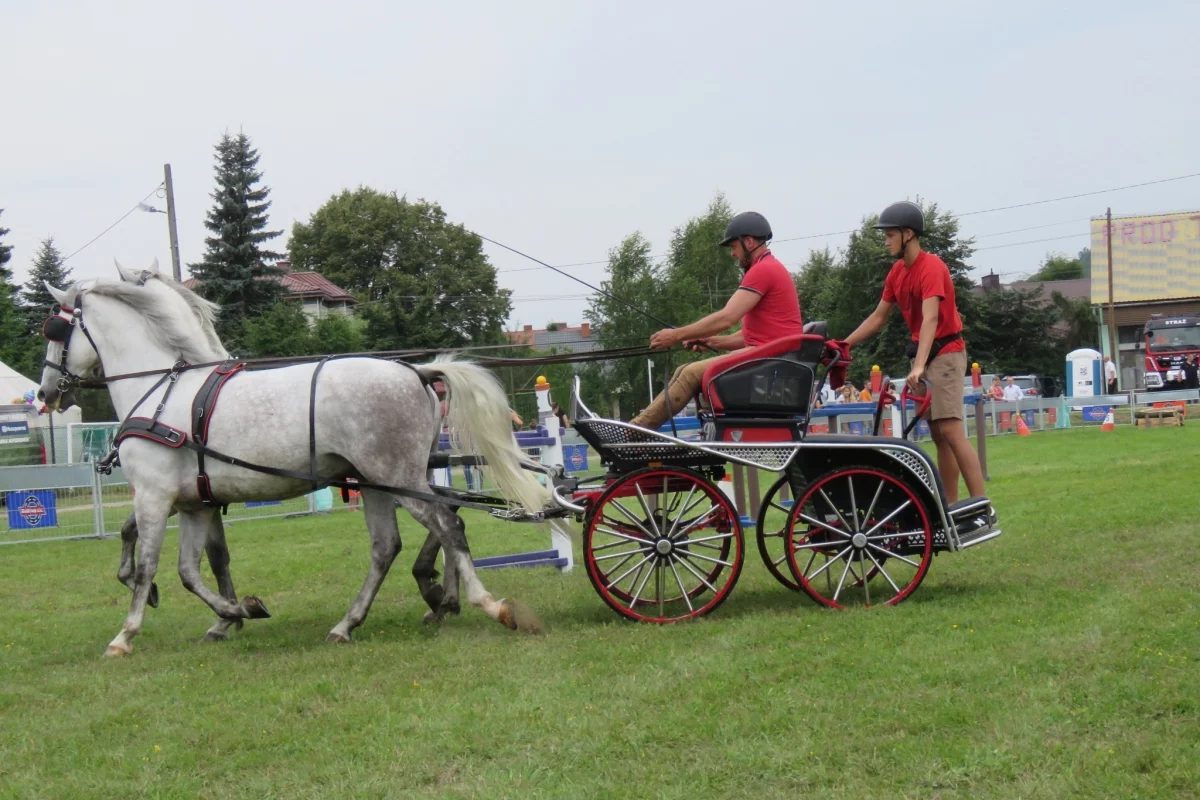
(32, 509)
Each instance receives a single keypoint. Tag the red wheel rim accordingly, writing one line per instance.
(663, 545)
(859, 536)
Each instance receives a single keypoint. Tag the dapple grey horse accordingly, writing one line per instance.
(424, 567)
(374, 420)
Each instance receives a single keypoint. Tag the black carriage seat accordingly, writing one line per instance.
(769, 381)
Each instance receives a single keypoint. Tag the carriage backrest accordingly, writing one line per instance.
(774, 379)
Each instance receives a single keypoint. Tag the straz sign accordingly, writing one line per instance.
(1154, 258)
(32, 509)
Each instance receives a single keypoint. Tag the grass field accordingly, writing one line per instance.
(1057, 661)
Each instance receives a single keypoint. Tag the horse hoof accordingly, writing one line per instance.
(433, 597)
(432, 618)
(337, 638)
(255, 607)
(114, 651)
(213, 636)
(153, 601)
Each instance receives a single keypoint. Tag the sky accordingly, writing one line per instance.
(560, 128)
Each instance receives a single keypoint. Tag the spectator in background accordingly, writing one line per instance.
(1012, 392)
(1110, 376)
(1191, 372)
(563, 420)
(517, 422)
(997, 390)
(848, 394)
(865, 395)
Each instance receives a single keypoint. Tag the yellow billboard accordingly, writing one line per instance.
(1154, 258)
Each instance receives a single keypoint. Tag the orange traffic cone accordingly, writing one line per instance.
(1109, 422)
(1022, 428)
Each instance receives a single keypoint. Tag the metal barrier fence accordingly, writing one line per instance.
(72, 501)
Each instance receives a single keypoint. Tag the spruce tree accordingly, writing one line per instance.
(234, 271)
(12, 322)
(36, 305)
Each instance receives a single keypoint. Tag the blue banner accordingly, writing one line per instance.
(575, 457)
(15, 428)
(1095, 413)
(32, 509)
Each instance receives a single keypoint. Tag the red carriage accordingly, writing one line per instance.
(851, 520)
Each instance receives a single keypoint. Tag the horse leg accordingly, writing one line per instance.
(425, 572)
(218, 560)
(380, 512)
(151, 526)
(449, 528)
(128, 567)
(193, 536)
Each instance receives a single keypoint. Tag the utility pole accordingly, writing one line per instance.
(1112, 313)
(175, 232)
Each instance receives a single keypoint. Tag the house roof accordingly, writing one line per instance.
(303, 284)
(577, 340)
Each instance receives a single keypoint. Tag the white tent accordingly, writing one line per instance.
(13, 385)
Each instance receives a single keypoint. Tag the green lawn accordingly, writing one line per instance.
(1057, 661)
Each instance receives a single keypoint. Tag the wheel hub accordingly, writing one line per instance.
(859, 540)
(664, 546)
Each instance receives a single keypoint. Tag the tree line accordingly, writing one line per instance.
(422, 281)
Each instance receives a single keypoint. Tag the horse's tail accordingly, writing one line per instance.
(478, 410)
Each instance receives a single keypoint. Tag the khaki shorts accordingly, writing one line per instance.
(945, 374)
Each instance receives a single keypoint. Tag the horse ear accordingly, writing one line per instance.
(154, 266)
(58, 294)
(126, 275)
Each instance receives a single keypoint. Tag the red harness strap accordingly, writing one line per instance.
(202, 410)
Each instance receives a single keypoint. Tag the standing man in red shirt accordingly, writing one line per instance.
(765, 303)
(920, 284)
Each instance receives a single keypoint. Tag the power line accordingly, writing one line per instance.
(1032, 241)
(953, 216)
(115, 224)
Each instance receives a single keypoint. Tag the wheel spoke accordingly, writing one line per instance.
(624, 536)
(815, 545)
(897, 556)
(611, 545)
(646, 507)
(853, 502)
(842, 580)
(888, 518)
(636, 523)
(842, 519)
(645, 580)
(625, 553)
(826, 526)
(829, 563)
(692, 570)
(695, 522)
(690, 554)
(682, 590)
(691, 542)
(658, 585)
(874, 500)
(883, 572)
(626, 572)
(686, 508)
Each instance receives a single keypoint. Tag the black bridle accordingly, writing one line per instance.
(59, 327)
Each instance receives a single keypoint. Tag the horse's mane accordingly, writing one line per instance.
(205, 310)
(176, 333)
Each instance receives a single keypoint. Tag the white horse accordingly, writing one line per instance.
(374, 420)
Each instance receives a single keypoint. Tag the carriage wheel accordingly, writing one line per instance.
(663, 544)
(771, 532)
(858, 536)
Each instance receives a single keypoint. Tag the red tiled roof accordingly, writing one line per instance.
(302, 284)
(309, 284)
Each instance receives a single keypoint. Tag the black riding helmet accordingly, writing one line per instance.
(748, 223)
(905, 214)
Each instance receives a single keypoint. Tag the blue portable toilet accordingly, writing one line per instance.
(1084, 373)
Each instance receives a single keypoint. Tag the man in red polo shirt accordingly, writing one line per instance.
(765, 303)
(920, 284)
